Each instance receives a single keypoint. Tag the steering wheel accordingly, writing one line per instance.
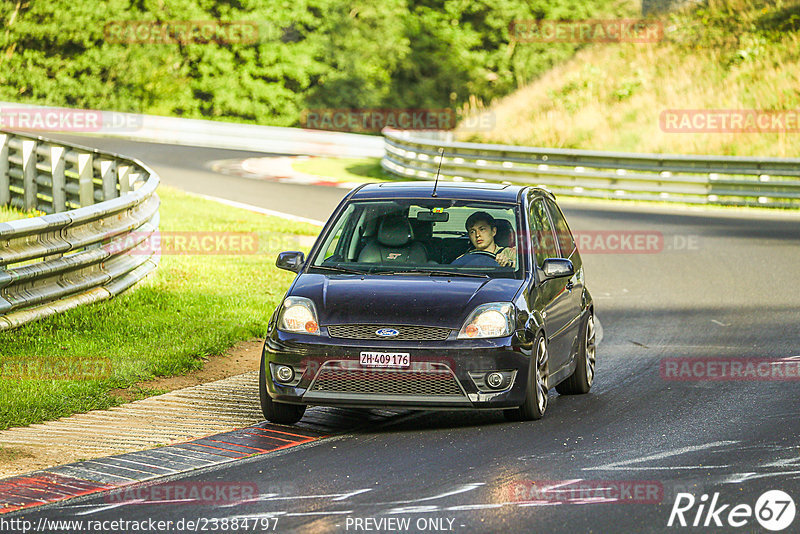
(476, 258)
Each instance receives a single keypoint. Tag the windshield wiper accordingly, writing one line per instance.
(458, 273)
(434, 273)
(337, 269)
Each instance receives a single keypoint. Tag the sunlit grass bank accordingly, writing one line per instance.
(191, 307)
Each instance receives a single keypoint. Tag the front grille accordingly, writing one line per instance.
(387, 382)
(407, 333)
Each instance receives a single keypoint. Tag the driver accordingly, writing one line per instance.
(482, 228)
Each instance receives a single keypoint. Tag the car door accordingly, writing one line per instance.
(574, 284)
(552, 293)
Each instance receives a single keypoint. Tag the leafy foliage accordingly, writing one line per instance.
(308, 54)
(713, 55)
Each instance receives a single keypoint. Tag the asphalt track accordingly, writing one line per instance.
(721, 284)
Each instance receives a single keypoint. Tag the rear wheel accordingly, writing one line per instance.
(580, 381)
(535, 403)
(276, 412)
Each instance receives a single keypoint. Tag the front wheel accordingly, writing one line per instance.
(535, 403)
(581, 379)
(276, 412)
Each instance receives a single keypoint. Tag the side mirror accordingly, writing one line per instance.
(291, 261)
(557, 268)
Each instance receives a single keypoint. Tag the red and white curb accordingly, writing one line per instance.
(121, 471)
(113, 472)
(276, 169)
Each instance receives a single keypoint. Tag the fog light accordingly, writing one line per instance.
(494, 380)
(284, 373)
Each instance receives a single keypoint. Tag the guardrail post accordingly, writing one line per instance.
(124, 178)
(85, 183)
(59, 182)
(108, 173)
(29, 174)
(5, 181)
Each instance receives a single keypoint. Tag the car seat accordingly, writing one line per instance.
(394, 243)
(505, 236)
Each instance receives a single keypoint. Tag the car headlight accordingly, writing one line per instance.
(495, 319)
(298, 315)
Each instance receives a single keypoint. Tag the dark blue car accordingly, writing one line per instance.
(467, 296)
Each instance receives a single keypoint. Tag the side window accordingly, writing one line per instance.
(544, 244)
(565, 241)
(334, 244)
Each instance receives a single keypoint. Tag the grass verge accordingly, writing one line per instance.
(8, 213)
(349, 169)
(720, 54)
(191, 307)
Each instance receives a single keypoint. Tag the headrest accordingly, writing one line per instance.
(394, 231)
(370, 226)
(505, 234)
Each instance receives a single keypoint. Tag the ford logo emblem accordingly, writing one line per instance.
(387, 332)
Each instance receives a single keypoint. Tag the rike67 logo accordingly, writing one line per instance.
(774, 510)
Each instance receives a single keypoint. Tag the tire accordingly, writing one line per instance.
(581, 379)
(276, 412)
(535, 403)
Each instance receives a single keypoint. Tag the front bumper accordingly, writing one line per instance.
(441, 375)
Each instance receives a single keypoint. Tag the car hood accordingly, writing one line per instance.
(400, 300)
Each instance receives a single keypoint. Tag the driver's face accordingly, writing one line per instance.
(482, 236)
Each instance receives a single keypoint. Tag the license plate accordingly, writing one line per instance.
(385, 359)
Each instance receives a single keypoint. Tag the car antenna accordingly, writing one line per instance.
(436, 183)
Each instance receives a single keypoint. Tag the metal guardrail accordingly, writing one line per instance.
(99, 207)
(718, 180)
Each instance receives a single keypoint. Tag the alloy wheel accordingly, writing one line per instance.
(590, 350)
(541, 374)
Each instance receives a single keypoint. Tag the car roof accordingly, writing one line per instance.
(445, 190)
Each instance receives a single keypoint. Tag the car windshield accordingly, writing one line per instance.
(423, 236)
